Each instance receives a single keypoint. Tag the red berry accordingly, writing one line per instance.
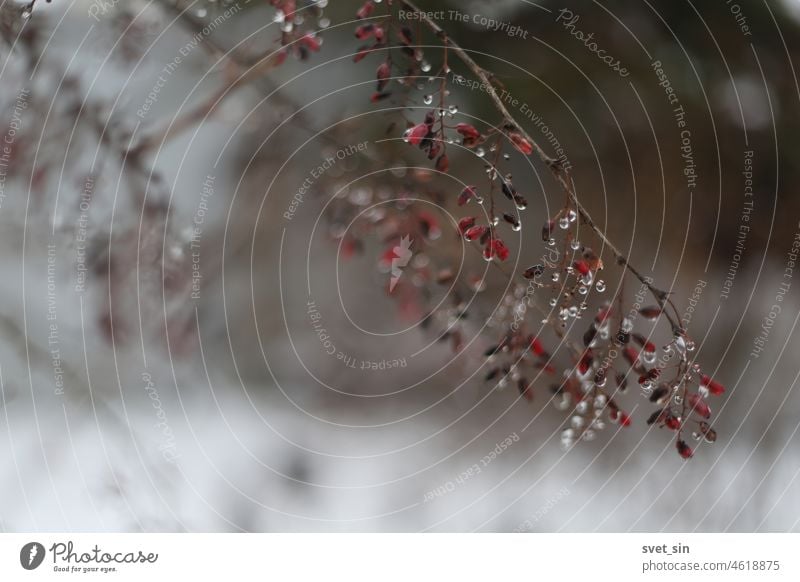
(466, 195)
(310, 41)
(500, 249)
(582, 267)
(713, 387)
(684, 450)
(466, 223)
(651, 312)
(367, 9)
(468, 131)
(699, 405)
(521, 143)
(475, 232)
(417, 133)
(365, 31)
(537, 347)
(382, 74)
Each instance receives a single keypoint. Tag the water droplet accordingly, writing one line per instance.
(563, 403)
(427, 99)
(555, 277)
(572, 216)
(577, 422)
(324, 22)
(425, 66)
(506, 157)
(453, 109)
(583, 290)
(480, 152)
(553, 302)
(575, 245)
(563, 223)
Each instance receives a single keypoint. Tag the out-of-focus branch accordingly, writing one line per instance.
(242, 70)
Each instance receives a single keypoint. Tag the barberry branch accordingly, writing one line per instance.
(559, 173)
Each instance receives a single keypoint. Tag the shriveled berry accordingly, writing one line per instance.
(522, 144)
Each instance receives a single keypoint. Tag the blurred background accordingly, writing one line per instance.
(194, 339)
